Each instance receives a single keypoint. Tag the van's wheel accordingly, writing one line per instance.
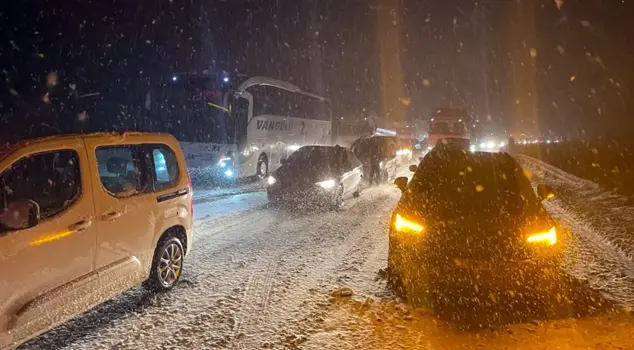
(167, 265)
(262, 167)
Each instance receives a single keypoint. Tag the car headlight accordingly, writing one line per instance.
(271, 180)
(549, 237)
(402, 224)
(328, 184)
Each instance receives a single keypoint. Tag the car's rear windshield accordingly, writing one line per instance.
(460, 185)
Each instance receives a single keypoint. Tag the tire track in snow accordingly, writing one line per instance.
(255, 299)
(308, 275)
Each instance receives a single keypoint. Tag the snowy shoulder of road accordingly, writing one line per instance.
(212, 203)
(602, 225)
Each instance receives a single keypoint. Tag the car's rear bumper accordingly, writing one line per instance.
(503, 275)
(440, 269)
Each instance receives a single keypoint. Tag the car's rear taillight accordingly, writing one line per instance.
(191, 201)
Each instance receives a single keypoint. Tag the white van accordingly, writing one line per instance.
(82, 219)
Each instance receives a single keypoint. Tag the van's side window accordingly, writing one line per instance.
(51, 179)
(165, 167)
(123, 170)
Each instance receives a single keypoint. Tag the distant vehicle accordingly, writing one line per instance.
(85, 217)
(448, 124)
(347, 133)
(316, 175)
(471, 221)
(238, 127)
(386, 153)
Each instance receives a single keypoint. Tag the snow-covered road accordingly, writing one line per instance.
(268, 278)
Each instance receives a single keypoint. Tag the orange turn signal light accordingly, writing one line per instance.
(403, 225)
(549, 237)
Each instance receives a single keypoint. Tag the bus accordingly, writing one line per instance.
(236, 126)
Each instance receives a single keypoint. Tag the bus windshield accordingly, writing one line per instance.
(191, 108)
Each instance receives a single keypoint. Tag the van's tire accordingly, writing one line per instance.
(262, 167)
(167, 265)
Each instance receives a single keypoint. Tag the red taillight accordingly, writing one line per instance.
(191, 200)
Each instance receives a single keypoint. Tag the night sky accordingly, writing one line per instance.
(539, 66)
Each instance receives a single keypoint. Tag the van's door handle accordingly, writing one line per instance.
(80, 226)
(112, 215)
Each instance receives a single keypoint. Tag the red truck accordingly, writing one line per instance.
(450, 124)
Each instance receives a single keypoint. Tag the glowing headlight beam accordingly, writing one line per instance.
(328, 184)
(271, 180)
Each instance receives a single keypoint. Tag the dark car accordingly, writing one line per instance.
(321, 175)
(471, 222)
(380, 157)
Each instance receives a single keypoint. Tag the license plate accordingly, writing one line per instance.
(468, 264)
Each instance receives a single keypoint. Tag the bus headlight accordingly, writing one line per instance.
(223, 161)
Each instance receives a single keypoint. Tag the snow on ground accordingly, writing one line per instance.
(259, 277)
(602, 224)
(214, 208)
(607, 212)
(246, 282)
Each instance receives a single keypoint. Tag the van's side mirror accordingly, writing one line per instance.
(21, 214)
(116, 165)
(401, 183)
(545, 192)
(413, 168)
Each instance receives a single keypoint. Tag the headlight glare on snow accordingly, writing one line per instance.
(328, 184)
(271, 180)
(404, 225)
(549, 237)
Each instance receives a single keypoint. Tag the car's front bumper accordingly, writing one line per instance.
(302, 197)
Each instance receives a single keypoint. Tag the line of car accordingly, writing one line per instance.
(85, 217)
(324, 176)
